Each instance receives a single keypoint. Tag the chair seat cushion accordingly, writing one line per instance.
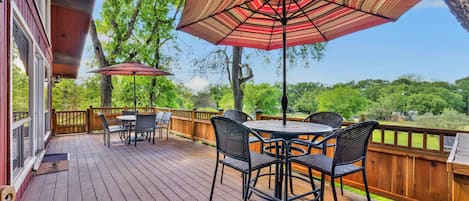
(321, 162)
(257, 161)
(117, 129)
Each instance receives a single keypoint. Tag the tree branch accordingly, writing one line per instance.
(248, 76)
(130, 28)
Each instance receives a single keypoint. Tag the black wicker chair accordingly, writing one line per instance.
(232, 140)
(351, 146)
(164, 123)
(331, 119)
(111, 129)
(144, 124)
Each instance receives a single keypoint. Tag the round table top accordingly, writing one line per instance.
(127, 117)
(291, 127)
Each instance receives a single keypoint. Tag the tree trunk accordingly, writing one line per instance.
(157, 65)
(235, 74)
(106, 84)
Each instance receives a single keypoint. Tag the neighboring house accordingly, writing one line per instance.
(40, 40)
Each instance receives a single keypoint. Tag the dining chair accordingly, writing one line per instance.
(129, 112)
(164, 123)
(232, 140)
(331, 119)
(351, 147)
(144, 124)
(110, 129)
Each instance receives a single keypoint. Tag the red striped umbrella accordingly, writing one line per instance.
(272, 24)
(131, 68)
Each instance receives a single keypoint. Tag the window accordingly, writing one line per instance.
(46, 100)
(21, 75)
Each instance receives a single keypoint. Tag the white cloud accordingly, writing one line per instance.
(197, 84)
(432, 4)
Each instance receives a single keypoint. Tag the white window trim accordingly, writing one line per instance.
(18, 176)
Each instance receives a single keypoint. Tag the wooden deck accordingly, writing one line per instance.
(177, 169)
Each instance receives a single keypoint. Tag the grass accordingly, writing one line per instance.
(402, 139)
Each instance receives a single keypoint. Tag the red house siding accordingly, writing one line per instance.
(29, 12)
(4, 102)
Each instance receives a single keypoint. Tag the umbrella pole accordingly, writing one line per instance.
(284, 41)
(135, 95)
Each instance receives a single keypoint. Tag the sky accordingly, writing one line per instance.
(426, 41)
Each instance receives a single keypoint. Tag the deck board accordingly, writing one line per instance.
(177, 169)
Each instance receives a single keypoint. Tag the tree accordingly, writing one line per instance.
(425, 103)
(239, 73)
(344, 100)
(262, 97)
(134, 30)
(307, 103)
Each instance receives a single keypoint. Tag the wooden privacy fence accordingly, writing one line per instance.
(403, 163)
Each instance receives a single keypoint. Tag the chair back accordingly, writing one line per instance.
(129, 112)
(166, 118)
(352, 142)
(145, 122)
(331, 119)
(159, 117)
(103, 121)
(232, 138)
(237, 115)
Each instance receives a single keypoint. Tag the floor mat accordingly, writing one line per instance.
(53, 163)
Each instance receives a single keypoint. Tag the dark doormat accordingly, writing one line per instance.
(53, 163)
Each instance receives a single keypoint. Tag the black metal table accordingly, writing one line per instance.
(291, 130)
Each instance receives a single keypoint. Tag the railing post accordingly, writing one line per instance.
(90, 119)
(87, 120)
(54, 121)
(258, 114)
(221, 112)
(193, 123)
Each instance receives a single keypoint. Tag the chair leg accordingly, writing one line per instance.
(323, 181)
(366, 185)
(214, 179)
(246, 185)
(270, 172)
(109, 140)
(255, 182)
(167, 132)
(135, 140)
(290, 177)
(311, 179)
(341, 187)
(333, 188)
(222, 171)
(154, 133)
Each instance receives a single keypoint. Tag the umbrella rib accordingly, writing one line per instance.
(255, 11)
(214, 14)
(273, 24)
(362, 11)
(311, 20)
(232, 30)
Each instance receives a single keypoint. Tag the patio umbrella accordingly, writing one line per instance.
(131, 68)
(273, 24)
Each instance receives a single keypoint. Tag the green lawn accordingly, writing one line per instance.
(402, 139)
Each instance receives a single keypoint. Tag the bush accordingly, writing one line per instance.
(449, 119)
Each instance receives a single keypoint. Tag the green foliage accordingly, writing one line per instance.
(343, 99)
(449, 119)
(307, 103)
(68, 95)
(262, 97)
(20, 95)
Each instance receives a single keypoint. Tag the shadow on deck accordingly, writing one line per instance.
(177, 169)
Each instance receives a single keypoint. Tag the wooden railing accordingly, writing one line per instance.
(64, 122)
(403, 163)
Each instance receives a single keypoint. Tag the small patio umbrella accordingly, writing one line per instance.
(273, 24)
(131, 68)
